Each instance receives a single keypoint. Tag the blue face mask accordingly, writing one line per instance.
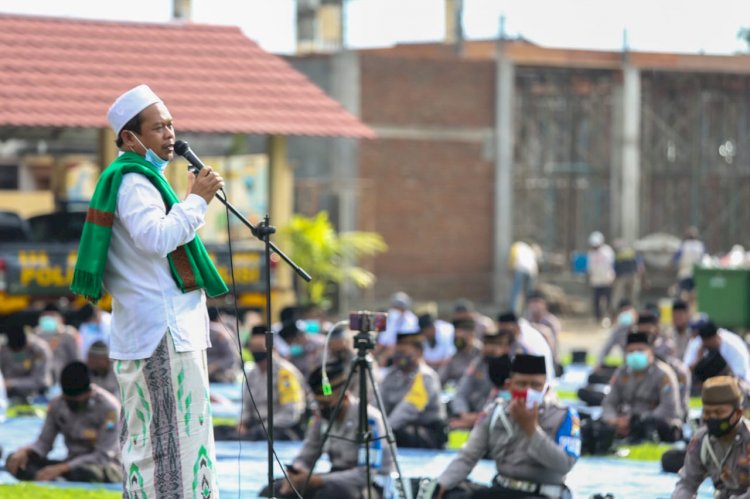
(296, 350)
(48, 324)
(637, 361)
(152, 157)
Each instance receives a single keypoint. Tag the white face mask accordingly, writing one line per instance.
(535, 397)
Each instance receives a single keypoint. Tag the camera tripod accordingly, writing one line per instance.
(362, 364)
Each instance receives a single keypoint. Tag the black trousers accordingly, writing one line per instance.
(88, 473)
(602, 293)
(432, 436)
(327, 491)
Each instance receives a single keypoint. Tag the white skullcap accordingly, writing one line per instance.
(129, 104)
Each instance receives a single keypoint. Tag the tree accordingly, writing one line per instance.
(329, 257)
(744, 34)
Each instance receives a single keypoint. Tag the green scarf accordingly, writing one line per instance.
(190, 264)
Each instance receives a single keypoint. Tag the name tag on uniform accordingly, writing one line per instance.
(89, 434)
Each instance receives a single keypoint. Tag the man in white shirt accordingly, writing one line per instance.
(690, 253)
(438, 341)
(601, 272)
(522, 261)
(729, 345)
(400, 318)
(140, 244)
(528, 340)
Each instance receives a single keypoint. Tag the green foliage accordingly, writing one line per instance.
(328, 256)
(24, 489)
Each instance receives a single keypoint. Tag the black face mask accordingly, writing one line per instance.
(498, 369)
(259, 355)
(16, 340)
(719, 427)
(77, 405)
(459, 343)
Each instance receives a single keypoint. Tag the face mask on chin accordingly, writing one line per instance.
(152, 157)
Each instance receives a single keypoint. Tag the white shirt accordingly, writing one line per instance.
(146, 300)
(691, 252)
(92, 332)
(397, 322)
(444, 347)
(601, 266)
(524, 258)
(732, 348)
(532, 342)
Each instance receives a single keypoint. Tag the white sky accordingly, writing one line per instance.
(654, 25)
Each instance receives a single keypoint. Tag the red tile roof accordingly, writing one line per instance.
(57, 72)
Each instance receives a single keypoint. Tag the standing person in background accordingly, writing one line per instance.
(690, 253)
(629, 273)
(139, 243)
(522, 262)
(601, 272)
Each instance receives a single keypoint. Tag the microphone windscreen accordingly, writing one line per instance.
(181, 147)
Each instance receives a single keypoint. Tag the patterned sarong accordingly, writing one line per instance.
(167, 436)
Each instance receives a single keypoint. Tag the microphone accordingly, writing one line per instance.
(182, 148)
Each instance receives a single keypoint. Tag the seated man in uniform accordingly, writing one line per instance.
(643, 400)
(348, 476)
(222, 357)
(476, 389)
(533, 440)
(100, 366)
(721, 448)
(468, 348)
(411, 396)
(289, 399)
(62, 339)
(88, 418)
(26, 364)
(713, 364)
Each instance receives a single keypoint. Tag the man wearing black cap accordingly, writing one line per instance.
(643, 396)
(527, 339)
(411, 396)
(100, 367)
(347, 478)
(663, 347)
(533, 440)
(468, 348)
(721, 448)
(26, 363)
(679, 331)
(88, 418)
(289, 398)
(731, 346)
(477, 388)
(61, 338)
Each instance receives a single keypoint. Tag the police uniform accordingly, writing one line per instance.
(222, 356)
(289, 401)
(64, 348)
(28, 371)
(91, 436)
(108, 381)
(650, 395)
(412, 403)
(460, 362)
(527, 467)
(724, 460)
(475, 389)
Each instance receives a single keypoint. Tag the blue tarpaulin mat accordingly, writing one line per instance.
(242, 467)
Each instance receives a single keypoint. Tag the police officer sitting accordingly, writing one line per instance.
(411, 396)
(100, 366)
(88, 418)
(476, 388)
(721, 448)
(533, 440)
(642, 402)
(348, 476)
(26, 363)
(289, 397)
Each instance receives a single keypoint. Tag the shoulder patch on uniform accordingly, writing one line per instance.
(569, 434)
(289, 388)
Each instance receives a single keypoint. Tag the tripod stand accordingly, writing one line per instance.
(362, 365)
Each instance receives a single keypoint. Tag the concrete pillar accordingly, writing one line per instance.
(504, 132)
(107, 148)
(281, 196)
(631, 157)
(615, 167)
(345, 88)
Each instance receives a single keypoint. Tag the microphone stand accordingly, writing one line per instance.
(262, 232)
